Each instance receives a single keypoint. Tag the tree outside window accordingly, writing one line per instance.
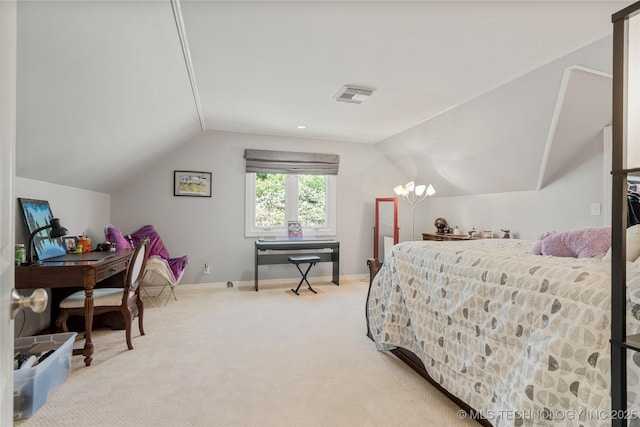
(279, 198)
(270, 200)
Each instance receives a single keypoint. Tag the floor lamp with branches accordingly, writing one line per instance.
(414, 194)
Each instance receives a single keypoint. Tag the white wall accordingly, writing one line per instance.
(211, 230)
(563, 205)
(80, 211)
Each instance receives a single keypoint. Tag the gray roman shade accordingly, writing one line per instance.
(290, 162)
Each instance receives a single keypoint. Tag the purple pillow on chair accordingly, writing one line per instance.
(156, 246)
(113, 235)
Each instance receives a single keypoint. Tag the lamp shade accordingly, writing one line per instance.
(430, 190)
(57, 230)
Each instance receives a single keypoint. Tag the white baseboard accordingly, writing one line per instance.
(287, 281)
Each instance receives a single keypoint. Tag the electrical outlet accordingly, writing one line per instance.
(206, 268)
(595, 208)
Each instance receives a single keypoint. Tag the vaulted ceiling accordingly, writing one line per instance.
(106, 87)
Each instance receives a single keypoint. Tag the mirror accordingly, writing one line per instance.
(385, 230)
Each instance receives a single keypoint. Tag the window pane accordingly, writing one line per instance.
(312, 191)
(270, 200)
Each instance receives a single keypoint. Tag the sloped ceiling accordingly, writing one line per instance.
(104, 89)
(583, 110)
(496, 142)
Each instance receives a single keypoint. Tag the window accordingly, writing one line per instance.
(273, 199)
(285, 186)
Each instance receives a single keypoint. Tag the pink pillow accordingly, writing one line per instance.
(113, 235)
(587, 243)
(536, 249)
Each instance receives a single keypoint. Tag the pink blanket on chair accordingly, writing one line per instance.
(156, 246)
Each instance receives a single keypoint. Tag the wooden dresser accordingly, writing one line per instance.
(443, 237)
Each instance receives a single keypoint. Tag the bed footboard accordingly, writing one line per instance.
(408, 357)
(374, 267)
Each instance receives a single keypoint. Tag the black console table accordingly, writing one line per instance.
(279, 251)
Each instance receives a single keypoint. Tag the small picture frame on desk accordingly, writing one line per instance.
(70, 243)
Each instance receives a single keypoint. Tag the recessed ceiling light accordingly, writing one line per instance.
(301, 127)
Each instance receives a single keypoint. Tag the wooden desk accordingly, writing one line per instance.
(444, 237)
(286, 247)
(77, 270)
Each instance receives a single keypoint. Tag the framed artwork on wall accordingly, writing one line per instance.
(37, 213)
(192, 184)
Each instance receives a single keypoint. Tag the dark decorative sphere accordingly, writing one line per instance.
(441, 225)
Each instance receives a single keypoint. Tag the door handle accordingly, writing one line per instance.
(37, 301)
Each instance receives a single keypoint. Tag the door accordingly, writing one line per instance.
(7, 201)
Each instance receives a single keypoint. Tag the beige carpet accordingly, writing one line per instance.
(235, 357)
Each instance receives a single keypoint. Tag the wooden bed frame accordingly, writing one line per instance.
(410, 359)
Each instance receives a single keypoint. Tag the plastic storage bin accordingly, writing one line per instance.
(31, 386)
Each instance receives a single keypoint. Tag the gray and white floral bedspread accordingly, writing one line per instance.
(522, 338)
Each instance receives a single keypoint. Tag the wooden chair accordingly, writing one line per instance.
(105, 300)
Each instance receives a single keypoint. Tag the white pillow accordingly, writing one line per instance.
(633, 244)
(633, 282)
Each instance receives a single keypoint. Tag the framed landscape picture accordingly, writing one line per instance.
(37, 213)
(192, 184)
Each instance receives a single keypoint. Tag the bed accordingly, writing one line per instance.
(513, 337)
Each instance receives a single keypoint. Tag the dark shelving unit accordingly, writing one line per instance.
(620, 342)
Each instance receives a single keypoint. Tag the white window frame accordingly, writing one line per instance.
(291, 209)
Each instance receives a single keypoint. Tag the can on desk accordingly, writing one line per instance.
(21, 253)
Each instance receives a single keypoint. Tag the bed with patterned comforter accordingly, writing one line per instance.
(523, 339)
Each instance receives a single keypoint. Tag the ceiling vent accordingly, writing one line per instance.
(353, 94)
